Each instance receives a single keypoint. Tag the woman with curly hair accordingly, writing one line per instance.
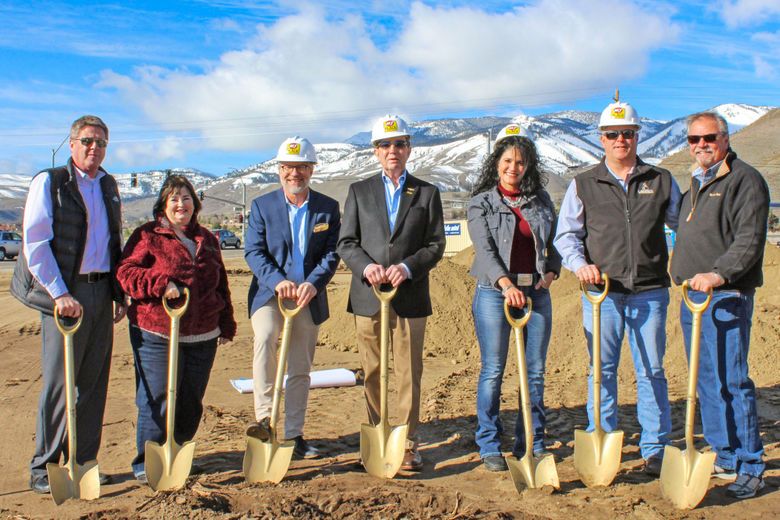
(511, 220)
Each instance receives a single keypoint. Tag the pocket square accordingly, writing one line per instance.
(322, 226)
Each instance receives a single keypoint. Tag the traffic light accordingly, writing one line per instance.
(201, 195)
(133, 180)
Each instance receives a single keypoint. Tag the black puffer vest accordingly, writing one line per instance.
(70, 226)
(625, 229)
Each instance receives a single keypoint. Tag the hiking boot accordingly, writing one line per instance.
(260, 430)
(746, 486)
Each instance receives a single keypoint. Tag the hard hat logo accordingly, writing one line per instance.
(513, 130)
(619, 113)
(391, 125)
(294, 148)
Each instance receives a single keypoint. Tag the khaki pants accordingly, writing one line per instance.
(267, 324)
(407, 336)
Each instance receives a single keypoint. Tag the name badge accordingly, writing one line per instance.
(525, 280)
(322, 226)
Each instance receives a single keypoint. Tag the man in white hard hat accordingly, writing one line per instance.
(720, 247)
(291, 250)
(393, 233)
(612, 221)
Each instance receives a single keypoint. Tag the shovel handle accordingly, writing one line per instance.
(286, 312)
(599, 297)
(384, 296)
(518, 323)
(64, 329)
(178, 311)
(694, 307)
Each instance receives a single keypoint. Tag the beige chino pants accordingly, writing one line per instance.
(407, 336)
(267, 322)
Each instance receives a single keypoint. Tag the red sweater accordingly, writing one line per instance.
(152, 257)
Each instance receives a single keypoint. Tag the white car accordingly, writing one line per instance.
(10, 245)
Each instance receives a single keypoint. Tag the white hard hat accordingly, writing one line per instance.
(388, 127)
(618, 114)
(512, 130)
(296, 149)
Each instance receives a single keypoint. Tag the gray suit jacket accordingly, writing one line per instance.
(417, 241)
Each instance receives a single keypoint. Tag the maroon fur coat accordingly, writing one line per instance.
(152, 257)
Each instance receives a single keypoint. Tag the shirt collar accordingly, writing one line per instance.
(401, 180)
(85, 177)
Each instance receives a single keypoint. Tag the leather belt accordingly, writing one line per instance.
(91, 277)
(524, 279)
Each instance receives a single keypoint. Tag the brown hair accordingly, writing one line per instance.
(83, 121)
(172, 184)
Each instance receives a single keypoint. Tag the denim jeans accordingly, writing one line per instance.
(150, 352)
(493, 335)
(643, 316)
(727, 396)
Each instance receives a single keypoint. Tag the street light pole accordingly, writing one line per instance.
(55, 150)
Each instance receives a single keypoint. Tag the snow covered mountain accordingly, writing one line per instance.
(446, 152)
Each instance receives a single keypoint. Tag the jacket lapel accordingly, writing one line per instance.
(281, 203)
(409, 193)
(378, 190)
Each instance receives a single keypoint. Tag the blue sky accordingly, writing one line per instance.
(216, 85)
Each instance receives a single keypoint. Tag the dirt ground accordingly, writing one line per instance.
(453, 485)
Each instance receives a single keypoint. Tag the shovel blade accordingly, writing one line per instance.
(267, 461)
(167, 467)
(685, 476)
(597, 456)
(382, 448)
(533, 472)
(84, 484)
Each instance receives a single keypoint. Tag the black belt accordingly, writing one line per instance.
(91, 277)
(524, 279)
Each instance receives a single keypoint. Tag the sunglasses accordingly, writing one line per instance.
(87, 141)
(613, 134)
(300, 168)
(398, 144)
(708, 138)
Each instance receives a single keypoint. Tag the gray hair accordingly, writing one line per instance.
(723, 125)
(83, 121)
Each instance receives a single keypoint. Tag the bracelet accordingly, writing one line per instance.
(506, 289)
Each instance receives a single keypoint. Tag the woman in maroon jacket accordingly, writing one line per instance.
(160, 258)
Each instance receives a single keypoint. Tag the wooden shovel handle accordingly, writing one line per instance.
(177, 312)
(286, 312)
(384, 296)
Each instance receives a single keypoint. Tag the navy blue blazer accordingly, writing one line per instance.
(268, 248)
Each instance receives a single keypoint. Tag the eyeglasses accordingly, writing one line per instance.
(400, 144)
(300, 168)
(708, 138)
(613, 134)
(87, 141)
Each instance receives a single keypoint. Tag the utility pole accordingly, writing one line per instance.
(489, 139)
(55, 150)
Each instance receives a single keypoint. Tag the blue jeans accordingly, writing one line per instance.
(493, 335)
(727, 396)
(150, 352)
(643, 316)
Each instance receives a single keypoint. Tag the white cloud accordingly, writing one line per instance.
(138, 153)
(326, 78)
(738, 13)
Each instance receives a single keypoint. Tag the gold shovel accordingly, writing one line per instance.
(382, 446)
(268, 461)
(535, 473)
(597, 453)
(685, 475)
(168, 466)
(72, 480)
